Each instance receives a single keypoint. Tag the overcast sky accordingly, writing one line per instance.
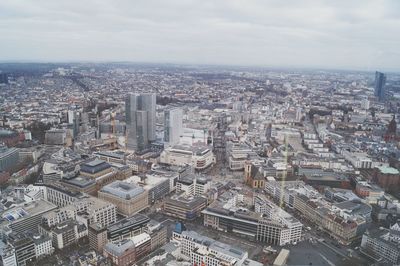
(351, 34)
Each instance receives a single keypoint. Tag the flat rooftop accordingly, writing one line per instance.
(80, 181)
(20, 213)
(123, 190)
(129, 221)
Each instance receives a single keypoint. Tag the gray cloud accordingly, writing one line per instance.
(362, 34)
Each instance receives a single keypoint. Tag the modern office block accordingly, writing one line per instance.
(172, 126)
(140, 113)
(380, 80)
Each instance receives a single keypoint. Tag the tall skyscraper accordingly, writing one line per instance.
(71, 116)
(140, 114)
(172, 125)
(380, 80)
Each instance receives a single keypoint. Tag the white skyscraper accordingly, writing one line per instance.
(298, 113)
(173, 125)
(71, 116)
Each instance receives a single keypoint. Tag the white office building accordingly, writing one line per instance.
(173, 128)
(197, 157)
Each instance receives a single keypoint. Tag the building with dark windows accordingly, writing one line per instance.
(184, 208)
(3, 78)
(380, 81)
(127, 227)
(388, 178)
(111, 156)
(156, 186)
(267, 223)
(55, 137)
(172, 126)
(64, 234)
(140, 114)
(122, 253)
(382, 246)
(24, 249)
(95, 168)
(24, 218)
(82, 184)
(8, 158)
(97, 237)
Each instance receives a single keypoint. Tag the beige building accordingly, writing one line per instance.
(128, 198)
(97, 237)
(184, 208)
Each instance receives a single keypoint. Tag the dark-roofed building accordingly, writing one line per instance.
(253, 176)
(97, 236)
(354, 207)
(95, 168)
(319, 177)
(64, 234)
(82, 184)
(24, 249)
(127, 227)
(111, 156)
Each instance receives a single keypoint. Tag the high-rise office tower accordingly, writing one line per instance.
(298, 114)
(172, 125)
(380, 80)
(71, 116)
(140, 113)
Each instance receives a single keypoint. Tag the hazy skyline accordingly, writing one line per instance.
(362, 34)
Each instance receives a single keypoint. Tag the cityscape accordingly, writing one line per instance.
(123, 162)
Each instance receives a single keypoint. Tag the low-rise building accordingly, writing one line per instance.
(111, 156)
(24, 249)
(380, 247)
(95, 168)
(129, 198)
(127, 227)
(158, 234)
(268, 223)
(25, 218)
(184, 208)
(193, 185)
(122, 253)
(87, 210)
(8, 257)
(387, 178)
(62, 234)
(237, 155)
(342, 223)
(201, 250)
(43, 245)
(55, 137)
(157, 186)
(82, 184)
(198, 157)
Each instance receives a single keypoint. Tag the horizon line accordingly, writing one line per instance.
(187, 64)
